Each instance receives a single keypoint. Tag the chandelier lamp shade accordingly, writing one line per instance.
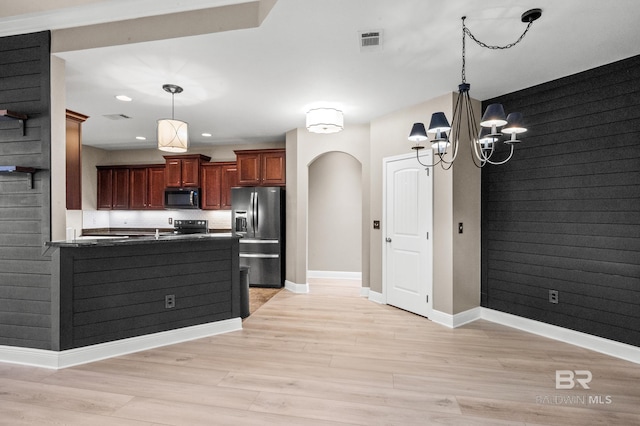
(495, 127)
(325, 120)
(173, 135)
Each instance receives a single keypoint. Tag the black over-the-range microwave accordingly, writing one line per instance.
(182, 198)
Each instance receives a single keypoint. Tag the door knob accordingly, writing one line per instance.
(388, 239)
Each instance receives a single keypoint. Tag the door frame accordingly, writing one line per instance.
(426, 157)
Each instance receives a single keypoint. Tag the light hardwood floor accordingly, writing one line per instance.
(332, 357)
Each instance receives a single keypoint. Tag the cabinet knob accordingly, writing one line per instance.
(388, 239)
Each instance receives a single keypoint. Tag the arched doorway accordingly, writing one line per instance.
(335, 216)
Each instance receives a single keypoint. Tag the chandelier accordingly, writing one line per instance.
(495, 126)
(173, 135)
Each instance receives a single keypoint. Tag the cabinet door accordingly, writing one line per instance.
(120, 189)
(191, 172)
(248, 169)
(155, 198)
(138, 188)
(273, 168)
(229, 180)
(211, 181)
(105, 189)
(173, 173)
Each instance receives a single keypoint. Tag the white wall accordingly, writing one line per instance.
(335, 213)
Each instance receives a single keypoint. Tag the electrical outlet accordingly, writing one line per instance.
(170, 301)
(170, 221)
(553, 296)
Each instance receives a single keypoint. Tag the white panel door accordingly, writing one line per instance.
(407, 231)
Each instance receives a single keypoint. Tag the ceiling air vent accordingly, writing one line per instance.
(370, 41)
(117, 116)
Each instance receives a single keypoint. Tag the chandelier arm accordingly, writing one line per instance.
(499, 163)
(476, 156)
(454, 135)
(426, 165)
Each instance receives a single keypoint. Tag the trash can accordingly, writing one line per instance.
(244, 291)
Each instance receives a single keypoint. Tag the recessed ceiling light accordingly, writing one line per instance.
(123, 98)
(206, 135)
(141, 138)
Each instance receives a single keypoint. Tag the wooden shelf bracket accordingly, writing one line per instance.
(5, 114)
(18, 169)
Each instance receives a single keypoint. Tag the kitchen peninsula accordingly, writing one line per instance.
(105, 290)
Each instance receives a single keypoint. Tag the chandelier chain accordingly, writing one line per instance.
(467, 32)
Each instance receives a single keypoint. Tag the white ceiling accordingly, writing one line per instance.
(253, 85)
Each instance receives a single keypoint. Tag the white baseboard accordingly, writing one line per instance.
(296, 288)
(374, 296)
(577, 338)
(364, 291)
(337, 275)
(68, 358)
(457, 320)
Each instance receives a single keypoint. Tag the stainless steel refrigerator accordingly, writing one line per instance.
(258, 218)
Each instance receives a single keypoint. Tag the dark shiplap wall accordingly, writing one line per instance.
(25, 274)
(564, 213)
(118, 291)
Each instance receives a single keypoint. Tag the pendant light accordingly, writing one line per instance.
(173, 135)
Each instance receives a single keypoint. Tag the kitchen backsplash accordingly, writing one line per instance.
(99, 219)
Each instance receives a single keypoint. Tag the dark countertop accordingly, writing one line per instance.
(134, 232)
(163, 238)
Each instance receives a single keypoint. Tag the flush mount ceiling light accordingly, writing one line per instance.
(494, 123)
(325, 120)
(173, 134)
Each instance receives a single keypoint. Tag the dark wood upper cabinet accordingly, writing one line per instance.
(261, 167)
(113, 188)
(120, 189)
(229, 180)
(156, 180)
(217, 180)
(146, 187)
(183, 171)
(73, 159)
(136, 187)
(211, 186)
(105, 188)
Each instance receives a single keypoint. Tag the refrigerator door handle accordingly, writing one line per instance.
(251, 212)
(256, 210)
